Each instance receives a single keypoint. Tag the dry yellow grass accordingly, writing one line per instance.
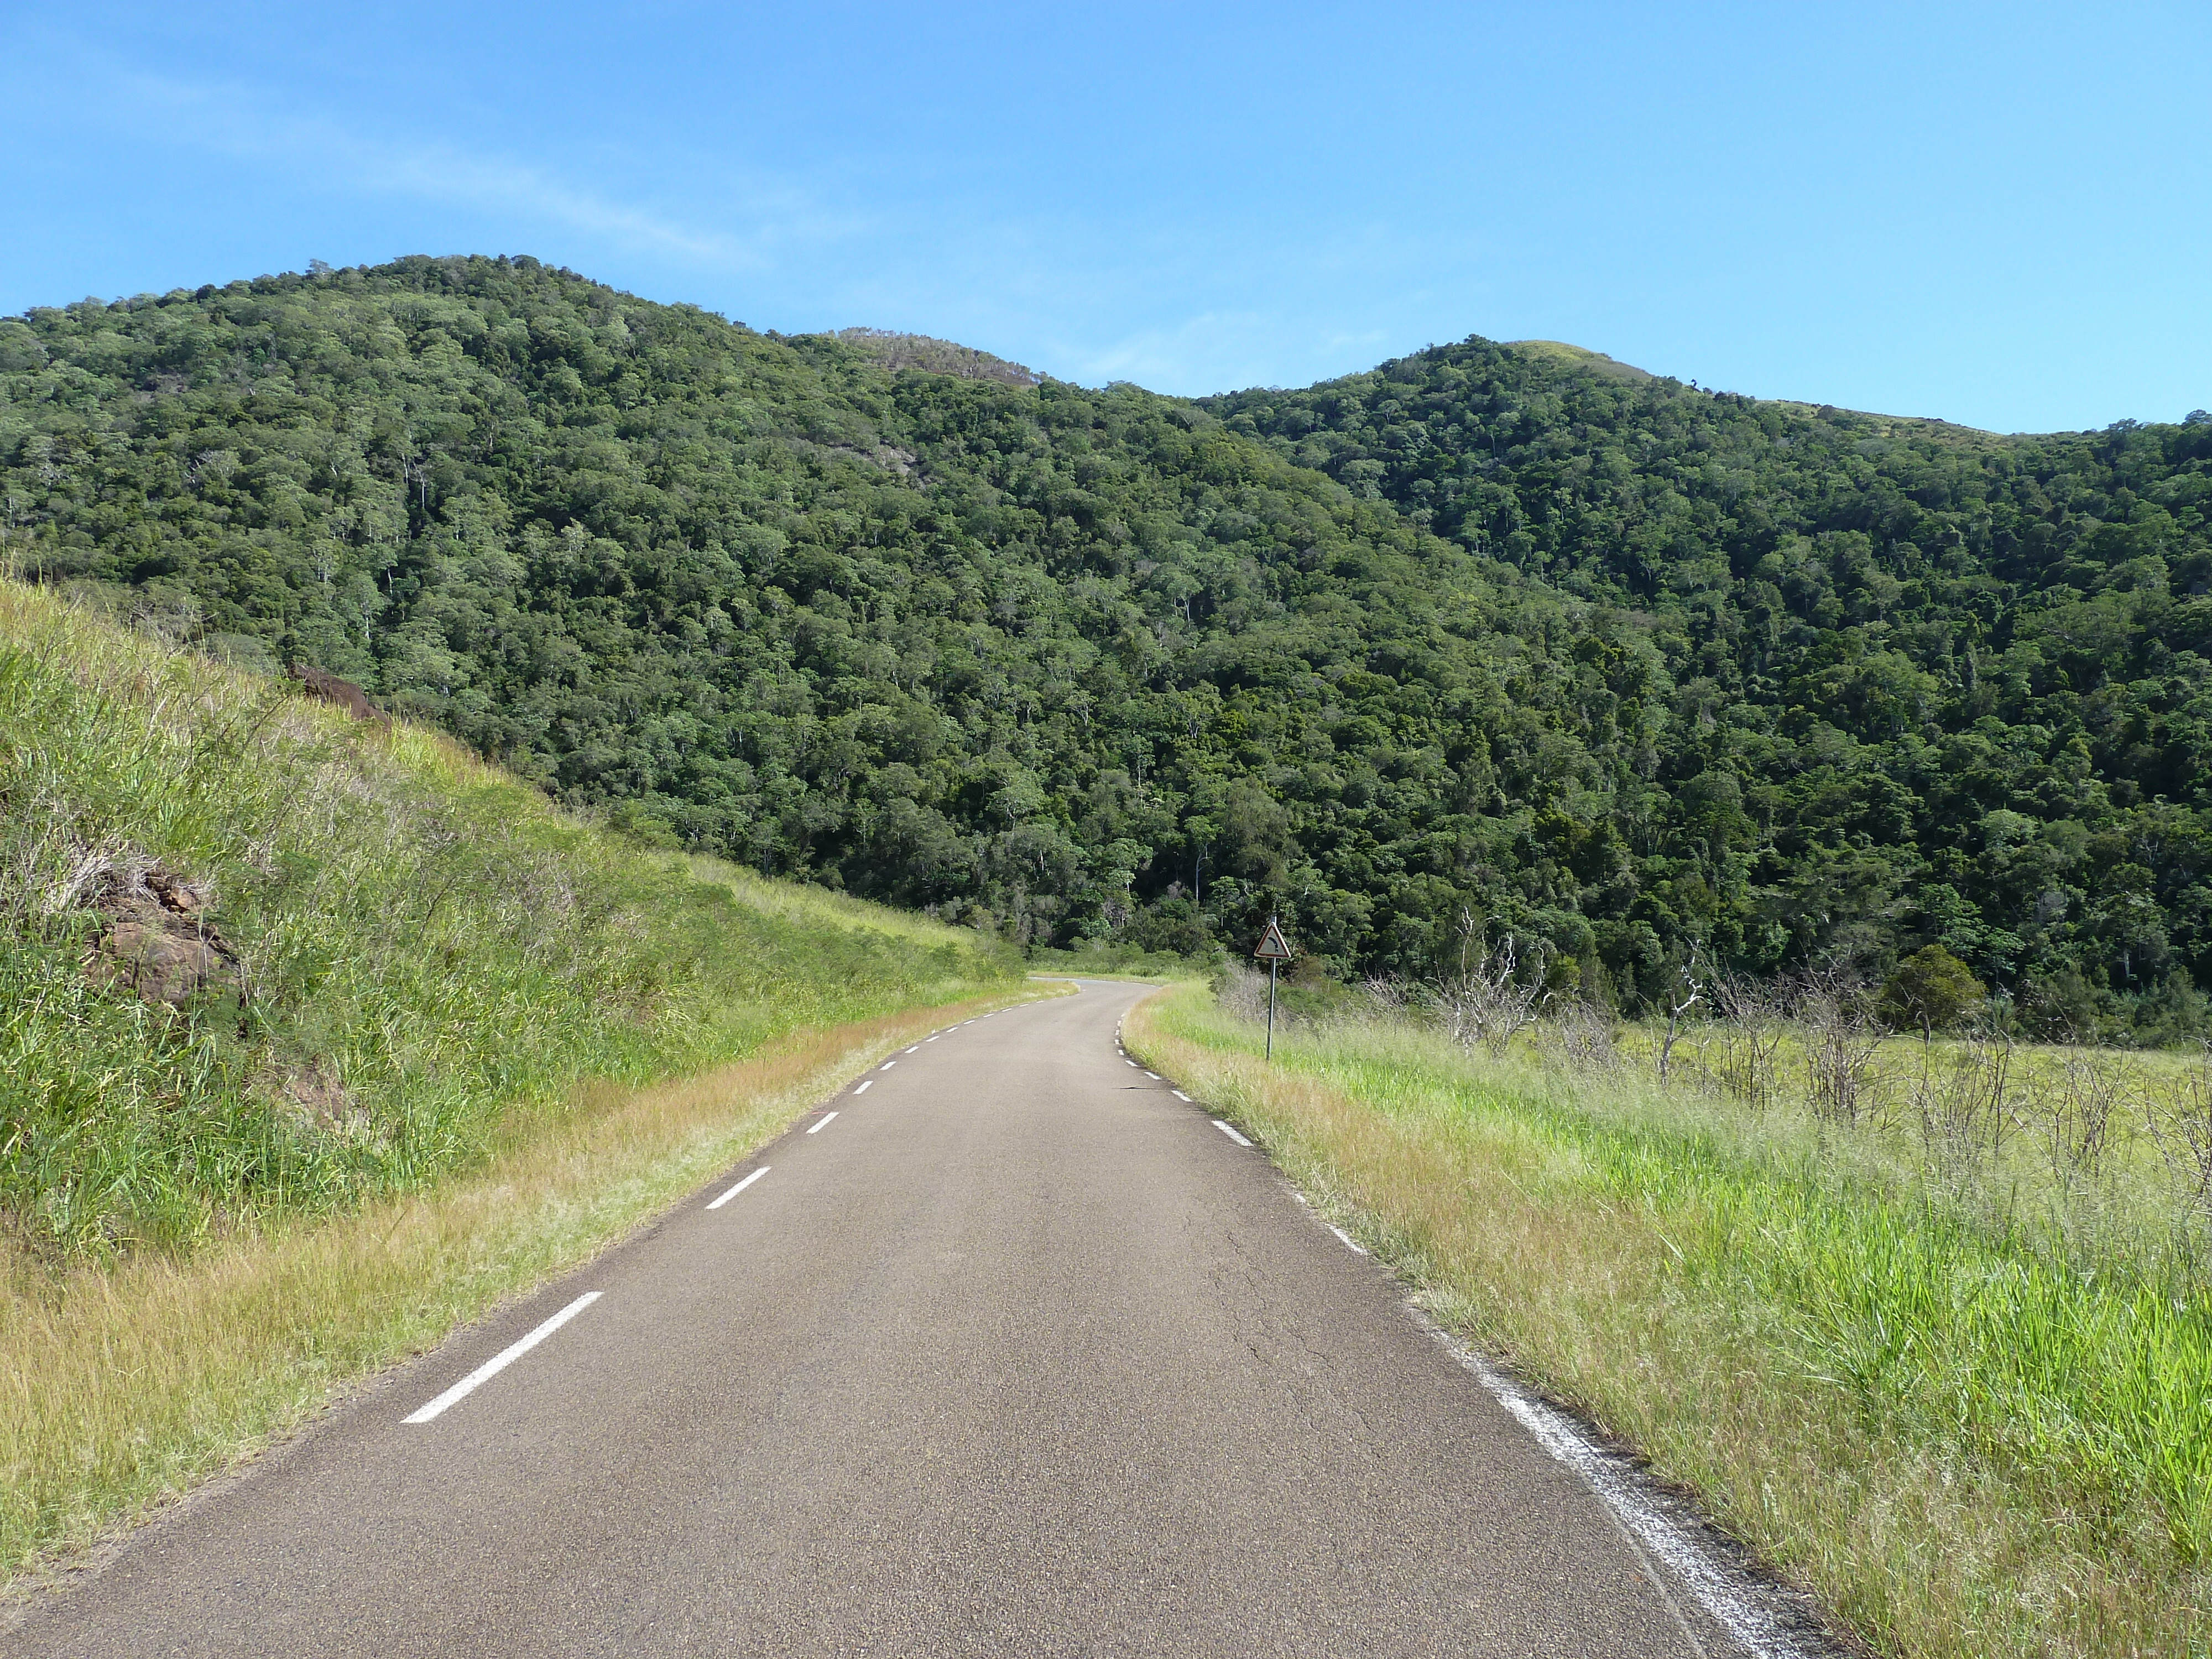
(121, 1388)
(1513, 1232)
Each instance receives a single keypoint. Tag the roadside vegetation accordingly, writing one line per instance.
(317, 1034)
(1926, 1320)
(1122, 961)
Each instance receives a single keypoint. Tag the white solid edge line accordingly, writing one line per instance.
(1350, 1243)
(1179, 1094)
(864, 1086)
(1230, 1132)
(506, 1357)
(822, 1124)
(739, 1188)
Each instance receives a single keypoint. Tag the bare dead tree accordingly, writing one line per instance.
(1696, 993)
(1489, 1000)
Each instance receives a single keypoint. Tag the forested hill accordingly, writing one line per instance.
(1615, 664)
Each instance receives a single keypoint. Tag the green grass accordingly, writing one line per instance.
(434, 955)
(475, 1040)
(1119, 961)
(818, 910)
(1575, 357)
(1972, 1425)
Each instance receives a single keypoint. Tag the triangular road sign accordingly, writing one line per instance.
(1272, 945)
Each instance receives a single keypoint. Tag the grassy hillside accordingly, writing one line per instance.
(317, 1037)
(1618, 665)
(401, 954)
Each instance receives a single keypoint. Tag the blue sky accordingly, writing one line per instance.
(2000, 214)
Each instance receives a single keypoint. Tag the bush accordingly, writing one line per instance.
(1932, 990)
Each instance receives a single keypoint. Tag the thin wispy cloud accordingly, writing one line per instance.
(1222, 350)
(1173, 355)
(237, 123)
(249, 124)
(440, 174)
(1073, 287)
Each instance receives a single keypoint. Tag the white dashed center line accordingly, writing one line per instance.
(506, 1357)
(739, 1188)
(818, 1127)
(1230, 1132)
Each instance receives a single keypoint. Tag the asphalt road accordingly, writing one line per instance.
(1015, 1354)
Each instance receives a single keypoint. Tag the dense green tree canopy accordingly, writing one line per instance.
(1604, 659)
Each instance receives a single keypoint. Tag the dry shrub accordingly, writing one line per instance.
(1582, 1036)
(2184, 1131)
(1244, 991)
(1386, 997)
(1842, 1038)
(1741, 1053)
(1963, 1098)
(2076, 1115)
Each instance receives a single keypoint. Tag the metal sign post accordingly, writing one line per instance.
(1274, 951)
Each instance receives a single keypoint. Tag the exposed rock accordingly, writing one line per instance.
(890, 457)
(321, 682)
(158, 939)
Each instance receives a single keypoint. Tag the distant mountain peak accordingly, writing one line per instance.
(1582, 357)
(894, 350)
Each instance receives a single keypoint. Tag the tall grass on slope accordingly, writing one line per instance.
(1967, 1439)
(428, 955)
